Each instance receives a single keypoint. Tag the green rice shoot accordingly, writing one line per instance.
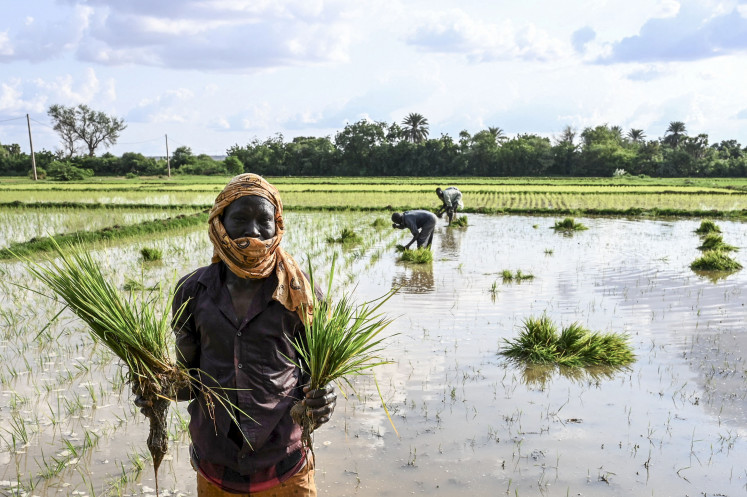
(151, 254)
(714, 241)
(342, 340)
(459, 222)
(418, 256)
(568, 225)
(715, 260)
(380, 223)
(518, 276)
(707, 226)
(347, 237)
(540, 342)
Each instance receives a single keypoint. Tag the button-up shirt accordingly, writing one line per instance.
(247, 359)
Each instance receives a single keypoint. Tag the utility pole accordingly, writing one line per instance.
(31, 144)
(168, 160)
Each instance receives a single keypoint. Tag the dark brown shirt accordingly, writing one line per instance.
(246, 359)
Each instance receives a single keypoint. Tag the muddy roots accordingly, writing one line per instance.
(301, 417)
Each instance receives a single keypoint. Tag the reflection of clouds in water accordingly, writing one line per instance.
(415, 280)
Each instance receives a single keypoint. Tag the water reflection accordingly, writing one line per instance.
(415, 280)
(451, 241)
(541, 375)
(713, 276)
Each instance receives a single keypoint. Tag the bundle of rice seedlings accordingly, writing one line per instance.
(539, 342)
(347, 237)
(138, 331)
(508, 276)
(418, 256)
(714, 241)
(341, 340)
(707, 226)
(380, 223)
(460, 222)
(151, 254)
(569, 224)
(715, 260)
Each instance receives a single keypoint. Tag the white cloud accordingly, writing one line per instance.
(459, 33)
(6, 48)
(172, 106)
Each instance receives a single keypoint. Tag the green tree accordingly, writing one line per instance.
(416, 127)
(83, 124)
(357, 144)
(181, 157)
(675, 134)
(233, 165)
(636, 135)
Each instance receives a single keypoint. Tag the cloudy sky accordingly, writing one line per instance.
(213, 73)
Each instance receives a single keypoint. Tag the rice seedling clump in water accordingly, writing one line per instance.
(151, 254)
(539, 342)
(714, 241)
(707, 226)
(347, 237)
(341, 339)
(417, 256)
(460, 222)
(569, 224)
(715, 260)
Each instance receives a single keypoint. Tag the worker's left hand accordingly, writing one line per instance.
(320, 403)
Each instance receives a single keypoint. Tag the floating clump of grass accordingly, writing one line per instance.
(418, 256)
(151, 254)
(714, 241)
(539, 342)
(460, 222)
(347, 237)
(137, 330)
(569, 224)
(715, 260)
(707, 226)
(342, 339)
(508, 276)
(380, 223)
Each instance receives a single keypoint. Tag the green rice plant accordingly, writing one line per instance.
(380, 223)
(341, 339)
(460, 222)
(707, 226)
(151, 254)
(714, 241)
(575, 346)
(715, 260)
(347, 237)
(138, 331)
(568, 225)
(418, 256)
(518, 276)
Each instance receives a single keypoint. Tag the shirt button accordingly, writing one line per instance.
(238, 334)
(240, 366)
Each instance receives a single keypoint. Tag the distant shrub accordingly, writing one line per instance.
(64, 171)
(131, 176)
(40, 173)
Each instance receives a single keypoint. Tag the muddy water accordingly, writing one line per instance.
(469, 422)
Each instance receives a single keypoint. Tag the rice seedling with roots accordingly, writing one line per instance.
(539, 342)
(418, 256)
(459, 222)
(568, 225)
(341, 339)
(135, 327)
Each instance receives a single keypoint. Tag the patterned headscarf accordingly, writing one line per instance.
(254, 258)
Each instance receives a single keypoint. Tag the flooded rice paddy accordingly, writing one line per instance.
(468, 422)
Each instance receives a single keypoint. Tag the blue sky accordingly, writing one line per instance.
(215, 73)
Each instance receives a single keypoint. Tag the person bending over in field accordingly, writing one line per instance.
(242, 311)
(452, 202)
(420, 223)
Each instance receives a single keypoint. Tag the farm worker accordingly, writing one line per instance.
(420, 223)
(452, 201)
(241, 313)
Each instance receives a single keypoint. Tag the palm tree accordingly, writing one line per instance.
(497, 133)
(416, 127)
(636, 135)
(675, 133)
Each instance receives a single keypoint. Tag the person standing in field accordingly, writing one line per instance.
(242, 311)
(452, 202)
(420, 223)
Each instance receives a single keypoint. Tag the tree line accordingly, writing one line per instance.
(377, 148)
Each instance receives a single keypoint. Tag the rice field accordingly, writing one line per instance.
(470, 421)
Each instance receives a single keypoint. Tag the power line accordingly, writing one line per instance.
(43, 124)
(12, 119)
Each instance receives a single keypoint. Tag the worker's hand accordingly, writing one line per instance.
(320, 403)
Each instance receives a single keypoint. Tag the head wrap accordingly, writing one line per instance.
(254, 258)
